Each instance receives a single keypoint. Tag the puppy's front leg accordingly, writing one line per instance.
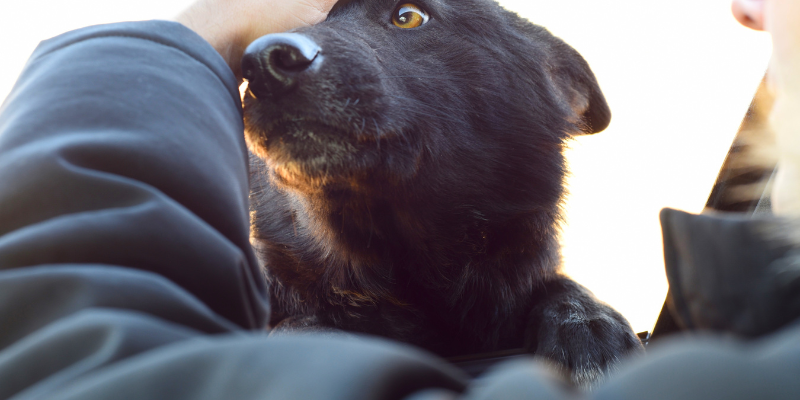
(570, 326)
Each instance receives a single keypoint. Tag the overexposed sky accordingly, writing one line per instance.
(678, 76)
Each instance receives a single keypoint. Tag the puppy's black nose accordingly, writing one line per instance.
(273, 62)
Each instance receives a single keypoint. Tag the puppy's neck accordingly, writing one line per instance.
(361, 225)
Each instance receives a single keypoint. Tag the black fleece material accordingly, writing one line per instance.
(126, 270)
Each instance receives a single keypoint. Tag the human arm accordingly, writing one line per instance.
(123, 186)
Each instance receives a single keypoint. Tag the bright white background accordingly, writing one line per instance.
(678, 75)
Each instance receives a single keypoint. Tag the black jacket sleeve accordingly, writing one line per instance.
(122, 146)
(732, 273)
(123, 185)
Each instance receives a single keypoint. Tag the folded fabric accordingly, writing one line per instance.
(731, 273)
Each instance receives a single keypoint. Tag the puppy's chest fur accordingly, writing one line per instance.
(446, 279)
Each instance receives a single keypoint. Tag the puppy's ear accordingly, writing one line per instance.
(579, 89)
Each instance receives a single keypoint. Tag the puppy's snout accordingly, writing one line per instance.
(273, 62)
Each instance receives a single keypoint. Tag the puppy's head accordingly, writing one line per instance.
(457, 92)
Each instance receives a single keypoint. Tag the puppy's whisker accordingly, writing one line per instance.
(441, 111)
(438, 78)
(371, 226)
(435, 116)
(377, 134)
(440, 107)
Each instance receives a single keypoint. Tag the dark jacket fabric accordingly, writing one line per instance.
(126, 270)
(732, 273)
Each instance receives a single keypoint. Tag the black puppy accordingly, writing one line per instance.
(412, 178)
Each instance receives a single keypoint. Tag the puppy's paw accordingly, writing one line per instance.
(583, 337)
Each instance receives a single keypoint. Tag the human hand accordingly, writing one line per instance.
(231, 25)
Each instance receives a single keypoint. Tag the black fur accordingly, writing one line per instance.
(409, 184)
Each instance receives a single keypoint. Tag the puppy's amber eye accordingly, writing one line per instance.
(409, 16)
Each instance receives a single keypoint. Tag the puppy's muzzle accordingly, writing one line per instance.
(273, 63)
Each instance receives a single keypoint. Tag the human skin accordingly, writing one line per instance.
(781, 18)
(231, 25)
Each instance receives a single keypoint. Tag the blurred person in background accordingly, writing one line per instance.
(781, 18)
